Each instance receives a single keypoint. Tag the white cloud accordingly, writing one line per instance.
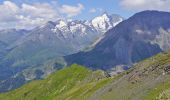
(7, 11)
(139, 5)
(39, 10)
(25, 16)
(93, 10)
(31, 15)
(71, 11)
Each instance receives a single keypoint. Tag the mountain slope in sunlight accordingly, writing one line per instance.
(147, 80)
(70, 83)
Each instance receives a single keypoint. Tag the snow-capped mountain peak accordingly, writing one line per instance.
(62, 24)
(76, 28)
(100, 24)
(105, 22)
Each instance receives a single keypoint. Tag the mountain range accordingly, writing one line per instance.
(139, 37)
(107, 42)
(32, 54)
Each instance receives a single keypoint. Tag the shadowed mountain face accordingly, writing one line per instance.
(2, 51)
(139, 37)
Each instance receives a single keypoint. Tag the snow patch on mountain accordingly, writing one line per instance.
(105, 22)
(98, 25)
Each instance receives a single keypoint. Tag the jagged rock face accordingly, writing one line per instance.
(129, 42)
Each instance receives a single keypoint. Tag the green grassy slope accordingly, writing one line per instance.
(147, 80)
(74, 82)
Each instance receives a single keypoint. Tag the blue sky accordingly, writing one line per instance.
(31, 13)
(110, 6)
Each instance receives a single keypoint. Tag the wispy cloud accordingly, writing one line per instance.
(93, 10)
(71, 11)
(138, 5)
